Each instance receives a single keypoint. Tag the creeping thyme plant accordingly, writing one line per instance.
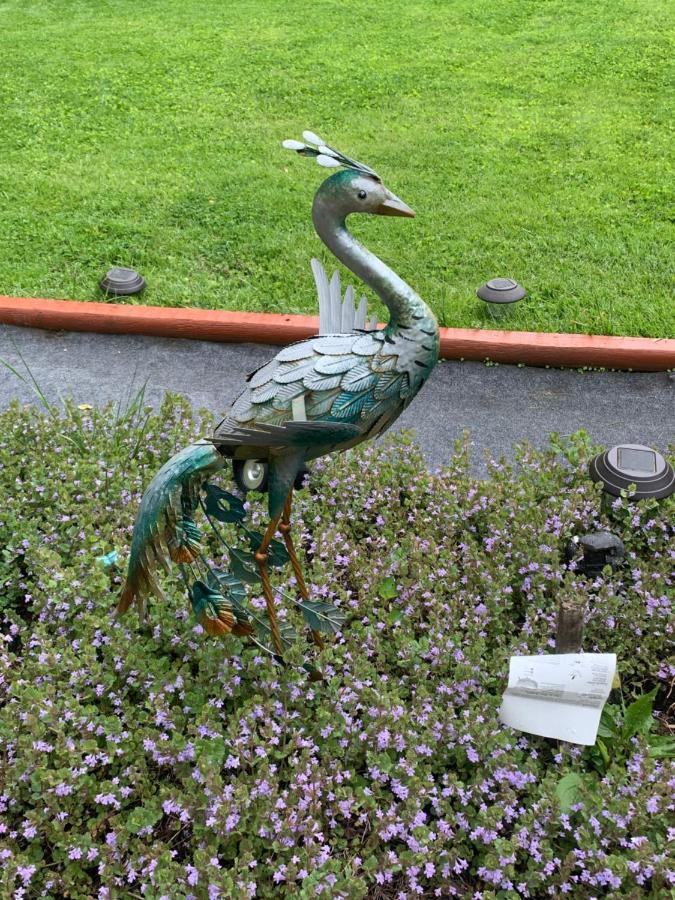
(150, 760)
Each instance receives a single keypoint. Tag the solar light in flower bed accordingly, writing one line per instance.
(120, 282)
(599, 549)
(500, 296)
(633, 464)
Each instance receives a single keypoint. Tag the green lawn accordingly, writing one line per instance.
(531, 137)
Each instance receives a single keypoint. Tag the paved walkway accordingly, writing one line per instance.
(500, 405)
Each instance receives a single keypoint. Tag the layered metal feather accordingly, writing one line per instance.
(164, 532)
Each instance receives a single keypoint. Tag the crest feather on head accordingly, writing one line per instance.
(326, 156)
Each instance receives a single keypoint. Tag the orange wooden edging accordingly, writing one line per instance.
(531, 348)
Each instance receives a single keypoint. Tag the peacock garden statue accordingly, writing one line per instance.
(324, 394)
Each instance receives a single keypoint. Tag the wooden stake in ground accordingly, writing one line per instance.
(570, 630)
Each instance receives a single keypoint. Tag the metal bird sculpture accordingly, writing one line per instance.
(320, 395)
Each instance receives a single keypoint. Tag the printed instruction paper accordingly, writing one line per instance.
(558, 695)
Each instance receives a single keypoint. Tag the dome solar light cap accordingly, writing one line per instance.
(634, 464)
(501, 290)
(121, 282)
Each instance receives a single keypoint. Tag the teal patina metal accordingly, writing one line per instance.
(321, 395)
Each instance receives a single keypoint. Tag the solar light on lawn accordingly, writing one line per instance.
(122, 282)
(628, 464)
(500, 295)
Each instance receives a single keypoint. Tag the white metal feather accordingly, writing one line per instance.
(360, 315)
(347, 318)
(328, 162)
(323, 291)
(338, 316)
(312, 138)
(335, 304)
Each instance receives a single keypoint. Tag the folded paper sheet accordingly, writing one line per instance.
(558, 696)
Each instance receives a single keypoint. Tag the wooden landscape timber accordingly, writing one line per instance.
(531, 348)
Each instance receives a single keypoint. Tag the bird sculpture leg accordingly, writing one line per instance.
(285, 529)
(261, 558)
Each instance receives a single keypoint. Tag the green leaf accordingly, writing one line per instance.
(602, 747)
(662, 746)
(229, 585)
(277, 553)
(143, 817)
(567, 790)
(222, 505)
(387, 589)
(204, 597)
(322, 616)
(231, 589)
(243, 566)
(264, 633)
(595, 757)
(608, 727)
(211, 751)
(638, 718)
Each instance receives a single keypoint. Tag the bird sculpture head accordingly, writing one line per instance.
(356, 188)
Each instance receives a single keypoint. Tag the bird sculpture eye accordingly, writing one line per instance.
(362, 195)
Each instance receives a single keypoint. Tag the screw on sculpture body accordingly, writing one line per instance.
(321, 395)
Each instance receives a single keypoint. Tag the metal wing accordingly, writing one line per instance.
(293, 434)
(350, 378)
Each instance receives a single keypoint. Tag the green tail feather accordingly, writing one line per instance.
(164, 531)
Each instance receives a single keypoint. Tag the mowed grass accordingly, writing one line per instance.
(532, 138)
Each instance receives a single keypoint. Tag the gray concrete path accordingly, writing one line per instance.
(500, 405)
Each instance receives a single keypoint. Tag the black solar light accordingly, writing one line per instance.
(599, 549)
(121, 282)
(634, 464)
(500, 295)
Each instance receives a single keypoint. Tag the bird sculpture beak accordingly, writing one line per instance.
(394, 206)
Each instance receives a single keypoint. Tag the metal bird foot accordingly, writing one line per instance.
(220, 594)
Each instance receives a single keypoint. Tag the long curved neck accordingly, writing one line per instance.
(406, 308)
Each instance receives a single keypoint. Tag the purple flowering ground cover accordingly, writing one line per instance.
(153, 761)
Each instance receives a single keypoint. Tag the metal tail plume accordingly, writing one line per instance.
(329, 157)
(165, 532)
